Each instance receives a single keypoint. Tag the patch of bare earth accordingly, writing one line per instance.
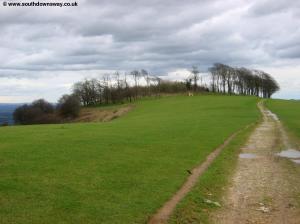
(263, 189)
(101, 114)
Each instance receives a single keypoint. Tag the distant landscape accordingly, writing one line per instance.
(6, 111)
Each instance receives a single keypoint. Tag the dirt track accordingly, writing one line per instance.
(164, 213)
(263, 188)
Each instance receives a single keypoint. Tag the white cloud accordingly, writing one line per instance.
(289, 79)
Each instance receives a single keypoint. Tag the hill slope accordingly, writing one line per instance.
(114, 172)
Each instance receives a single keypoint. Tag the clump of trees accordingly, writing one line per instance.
(69, 106)
(38, 112)
(242, 81)
(42, 112)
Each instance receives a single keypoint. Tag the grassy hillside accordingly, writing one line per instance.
(115, 172)
(288, 112)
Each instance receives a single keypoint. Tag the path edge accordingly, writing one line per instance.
(164, 213)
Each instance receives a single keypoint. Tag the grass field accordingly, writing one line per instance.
(288, 112)
(115, 172)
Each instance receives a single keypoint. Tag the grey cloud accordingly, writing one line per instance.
(292, 53)
(267, 7)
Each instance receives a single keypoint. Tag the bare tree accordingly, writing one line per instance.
(195, 76)
(136, 76)
(145, 74)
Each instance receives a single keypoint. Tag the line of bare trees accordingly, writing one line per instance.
(119, 88)
(242, 81)
(127, 87)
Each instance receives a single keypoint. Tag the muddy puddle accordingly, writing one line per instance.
(292, 154)
(247, 156)
(272, 115)
(296, 161)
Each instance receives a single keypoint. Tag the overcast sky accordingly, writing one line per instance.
(43, 51)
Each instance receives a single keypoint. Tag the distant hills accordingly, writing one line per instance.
(6, 111)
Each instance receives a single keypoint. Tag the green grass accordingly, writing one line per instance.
(288, 112)
(115, 172)
(211, 185)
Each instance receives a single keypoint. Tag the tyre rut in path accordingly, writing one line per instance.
(263, 188)
(164, 212)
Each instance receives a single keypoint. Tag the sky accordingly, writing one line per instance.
(45, 50)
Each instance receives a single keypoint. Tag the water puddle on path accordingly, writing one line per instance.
(292, 154)
(272, 115)
(296, 161)
(247, 156)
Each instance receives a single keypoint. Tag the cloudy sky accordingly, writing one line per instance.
(43, 51)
